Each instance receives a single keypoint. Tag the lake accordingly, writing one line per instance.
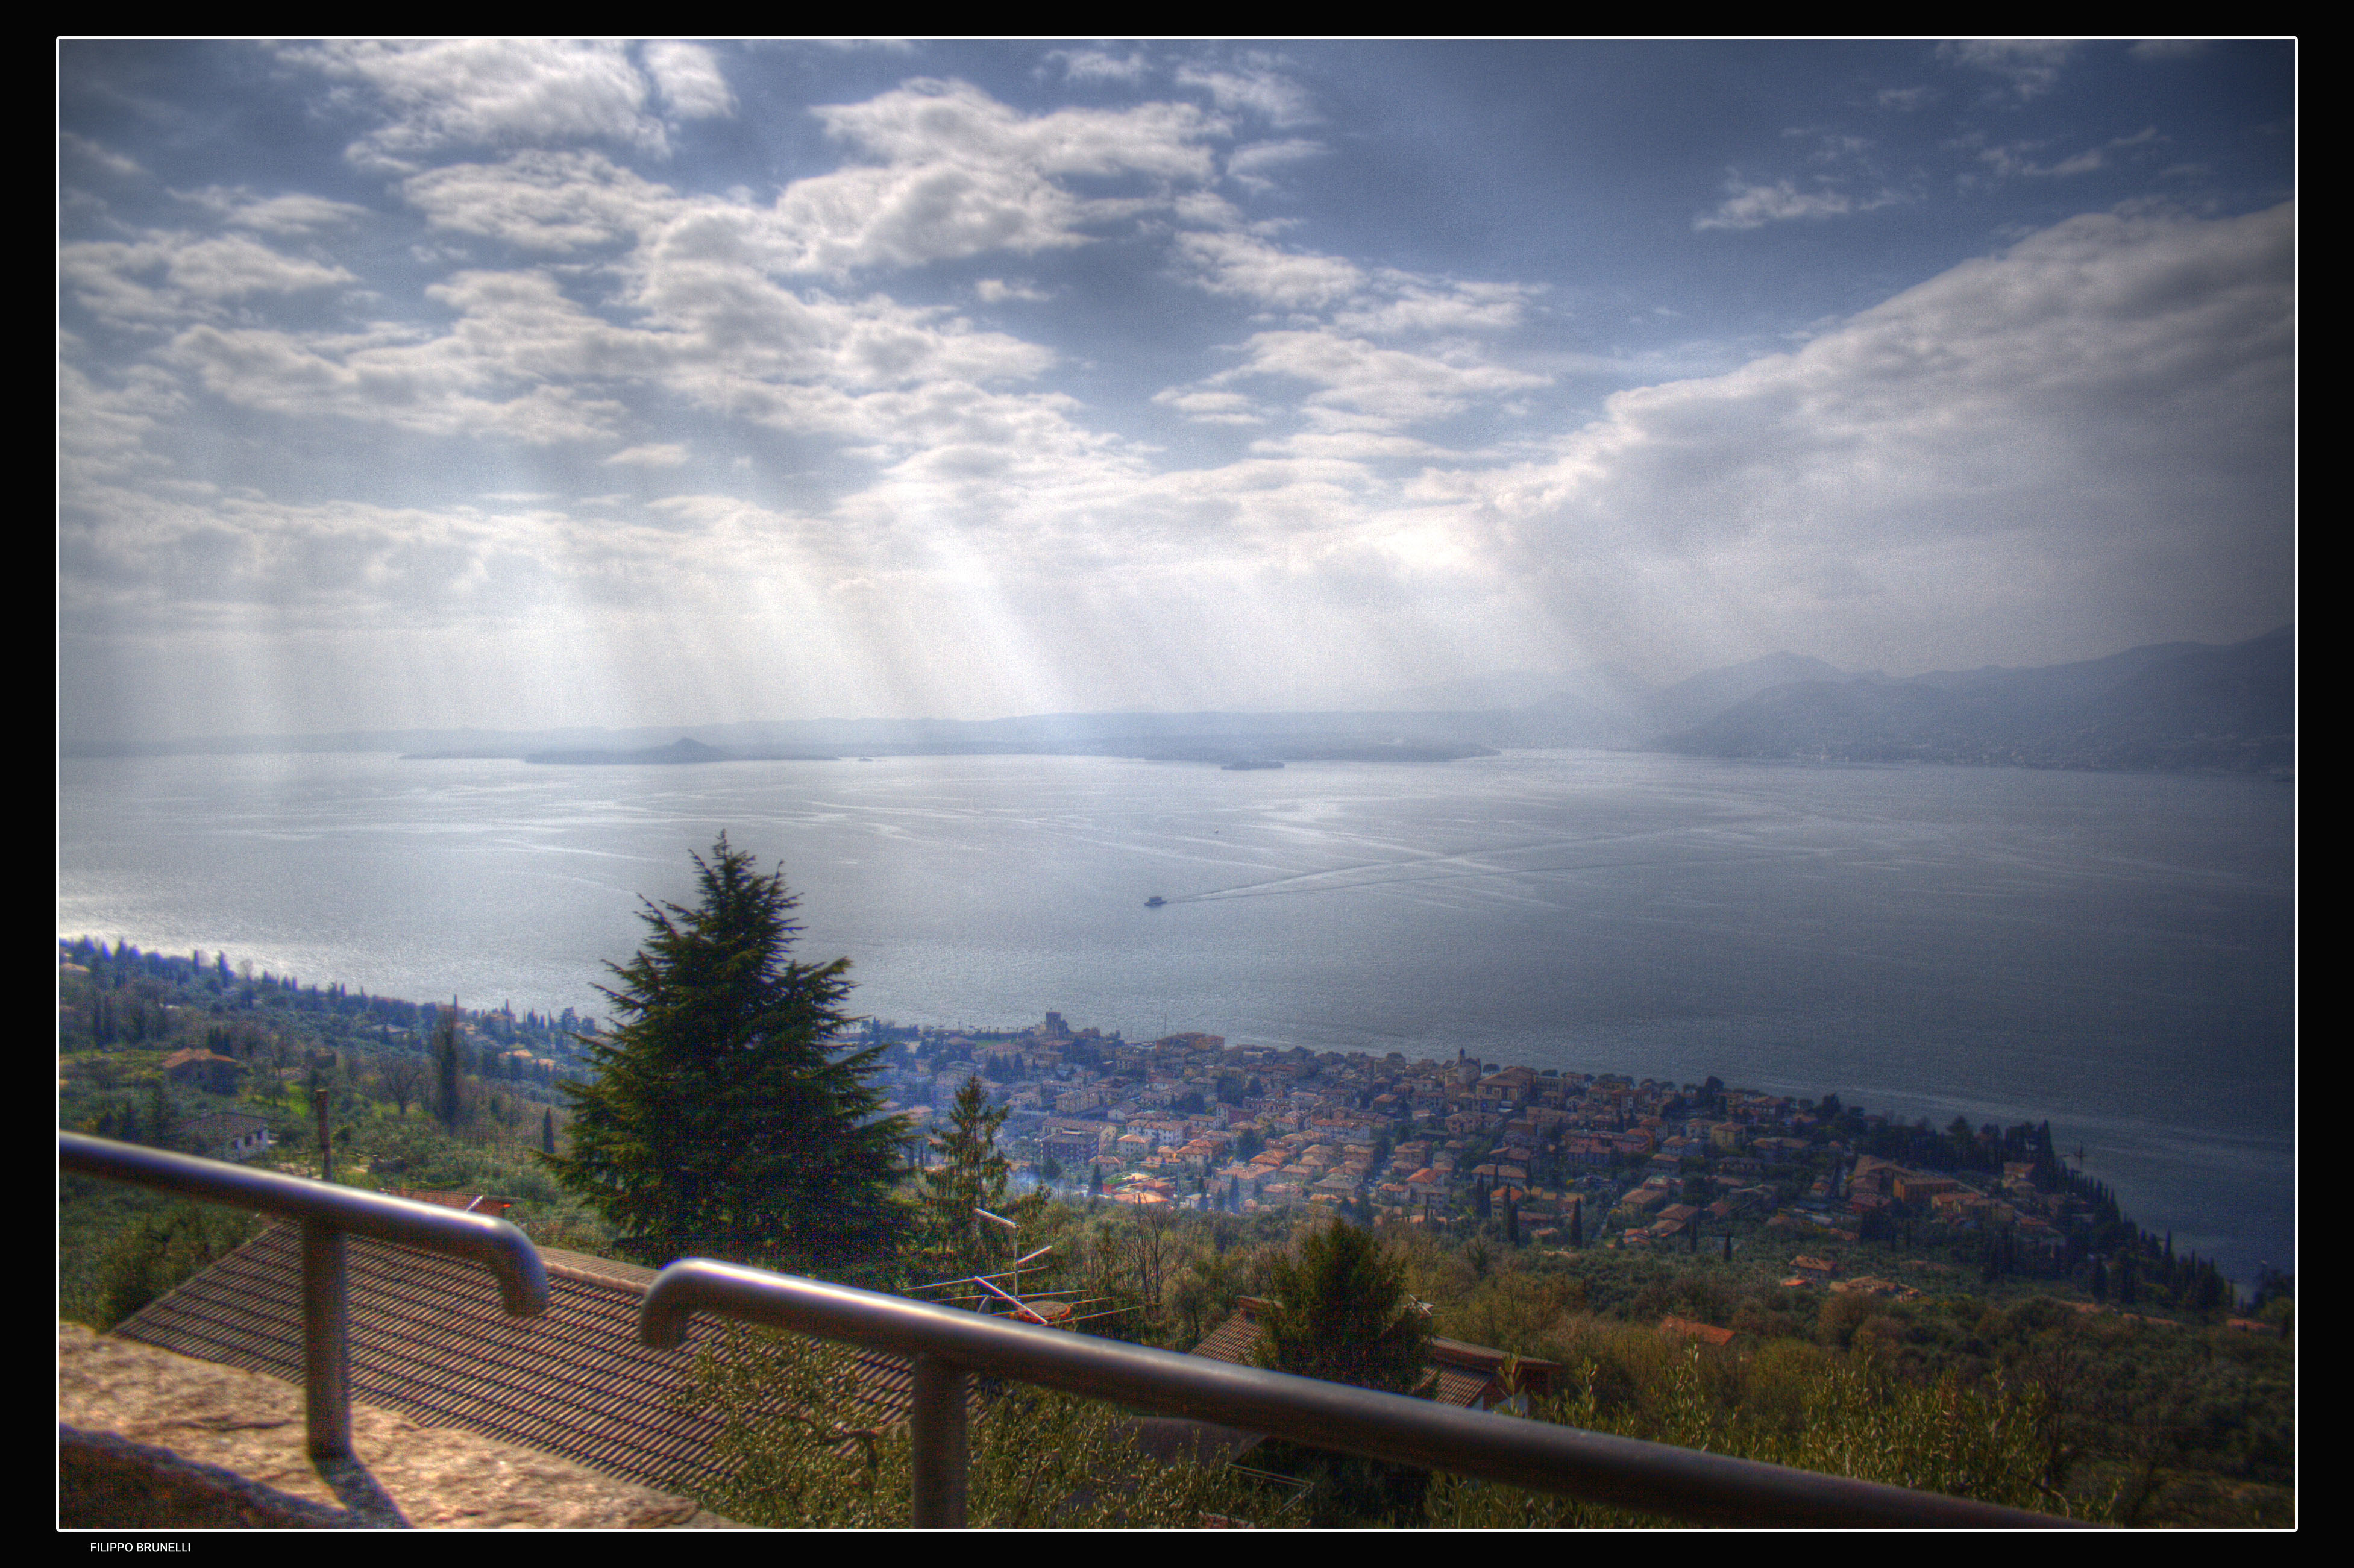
(2112, 952)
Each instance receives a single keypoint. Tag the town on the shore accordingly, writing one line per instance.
(1555, 1158)
(1539, 1158)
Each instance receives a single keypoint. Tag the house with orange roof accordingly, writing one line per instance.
(1676, 1328)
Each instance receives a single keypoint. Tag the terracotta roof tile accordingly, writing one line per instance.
(430, 1339)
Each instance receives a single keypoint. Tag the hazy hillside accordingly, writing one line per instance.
(2171, 706)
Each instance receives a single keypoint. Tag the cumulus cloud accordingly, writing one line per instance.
(1248, 266)
(2107, 397)
(1364, 386)
(292, 216)
(102, 429)
(952, 172)
(2058, 436)
(172, 276)
(690, 82)
(434, 388)
(547, 201)
(1401, 303)
(484, 93)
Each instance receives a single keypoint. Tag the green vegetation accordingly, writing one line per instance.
(1836, 1416)
(728, 1118)
(158, 1251)
(1341, 1312)
(805, 1451)
(724, 1120)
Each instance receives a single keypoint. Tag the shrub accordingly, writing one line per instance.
(802, 1447)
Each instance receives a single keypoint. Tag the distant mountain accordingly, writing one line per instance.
(2175, 705)
(2166, 707)
(1712, 690)
(683, 750)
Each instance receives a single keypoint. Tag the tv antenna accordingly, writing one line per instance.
(1047, 1309)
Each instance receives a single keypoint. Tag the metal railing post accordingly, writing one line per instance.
(942, 1456)
(948, 1346)
(326, 1344)
(325, 1214)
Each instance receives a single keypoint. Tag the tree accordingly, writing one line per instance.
(725, 1119)
(402, 1076)
(1341, 1312)
(968, 1172)
(448, 1088)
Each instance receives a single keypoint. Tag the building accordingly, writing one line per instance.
(228, 1135)
(198, 1068)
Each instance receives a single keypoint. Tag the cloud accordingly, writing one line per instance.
(1363, 386)
(411, 390)
(102, 431)
(689, 79)
(1256, 90)
(2150, 50)
(2030, 66)
(484, 93)
(102, 157)
(1209, 407)
(168, 276)
(333, 566)
(666, 454)
(1752, 206)
(1095, 65)
(955, 173)
(1250, 267)
(2013, 160)
(2097, 419)
(1247, 166)
(554, 202)
(290, 216)
(1904, 99)
(1402, 304)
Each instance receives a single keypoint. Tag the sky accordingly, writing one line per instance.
(527, 384)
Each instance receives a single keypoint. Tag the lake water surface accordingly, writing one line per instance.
(2112, 952)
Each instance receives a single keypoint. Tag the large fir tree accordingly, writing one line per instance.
(725, 1119)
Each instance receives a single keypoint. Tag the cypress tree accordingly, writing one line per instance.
(447, 1080)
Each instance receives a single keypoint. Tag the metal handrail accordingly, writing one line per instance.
(946, 1345)
(327, 1214)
